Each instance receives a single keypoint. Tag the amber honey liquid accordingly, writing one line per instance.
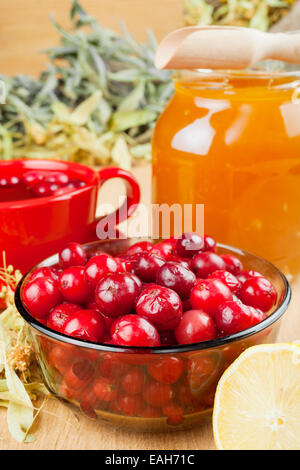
(232, 143)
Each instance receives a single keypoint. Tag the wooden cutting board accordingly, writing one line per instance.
(60, 428)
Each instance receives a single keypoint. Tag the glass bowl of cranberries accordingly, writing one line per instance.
(138, 332)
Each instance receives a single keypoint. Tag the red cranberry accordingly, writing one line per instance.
(233, 317)
(10, 182)
(44, 188)
(257, 315)
(189, 244)
(259, 293)
(166, 370)
(76, 184)
(195, 326)
(133, 381)
(164, 249)
(228, 279)
(105, 389)
(233, 264)
(99, 265)
(116, 293)
(120, 264)
(186, 305)
(139, 247)
(145, 266)
(176, 277)
(58, 178)
(32, 177)
(72, 255)
(74, 286)
(209, 244)
(150, 412)
(85, 324)
(161, 306)
(156, 394)
(178, 259)
(108, 321)
(41, 295)
(208, 294)
(45, 271)
(129, 405)
(60, 314)
(132, 330)
(245, 275)
(206, 263)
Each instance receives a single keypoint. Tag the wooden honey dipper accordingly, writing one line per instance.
(224, 47)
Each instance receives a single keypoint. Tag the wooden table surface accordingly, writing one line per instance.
(60, 428)
(25, 29)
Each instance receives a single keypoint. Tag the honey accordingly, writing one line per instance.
(231, 141)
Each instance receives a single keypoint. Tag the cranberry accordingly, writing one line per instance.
(74, 286)
(259, 293)
(150, 412)
(116, 293)
(174, 412)
(99, 265)
(233, 264)
(209, 244)
(85, 324)
(161, 306)
(132, 330)
(120, 264)
(76, 184)
(186, 305)
(72, 255)
(145, 266)
(156, 394)
(108, 321)
(206, 263)
(208, 294)
(10, 182)
(164, 249)
(195, 326)
(133, 381)
(167, 338)
(189, 244)
(245, 275)
(176, 277)
(180, 260)
(166, 370)
(58, 178)
(75, 381)
(60, 314)
(257, 315)
(228, 279)
(129, 405)
(41, 295)
(45, 271)
(60, 358)
(233, 317)
(44, 188)
(111, 366)
(104, 389)
(32, 177)
(138, 248)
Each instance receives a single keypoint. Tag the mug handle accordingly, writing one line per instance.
(132, 193)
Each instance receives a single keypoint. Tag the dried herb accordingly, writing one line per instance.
(259, 14)
(96, 103)
(19, 381)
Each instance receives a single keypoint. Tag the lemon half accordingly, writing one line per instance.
(257, 402)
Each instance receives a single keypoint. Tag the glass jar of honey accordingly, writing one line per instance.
(231, 141)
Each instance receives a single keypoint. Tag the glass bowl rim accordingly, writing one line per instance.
(200, 346)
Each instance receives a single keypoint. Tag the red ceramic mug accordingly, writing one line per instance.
(32, 229)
